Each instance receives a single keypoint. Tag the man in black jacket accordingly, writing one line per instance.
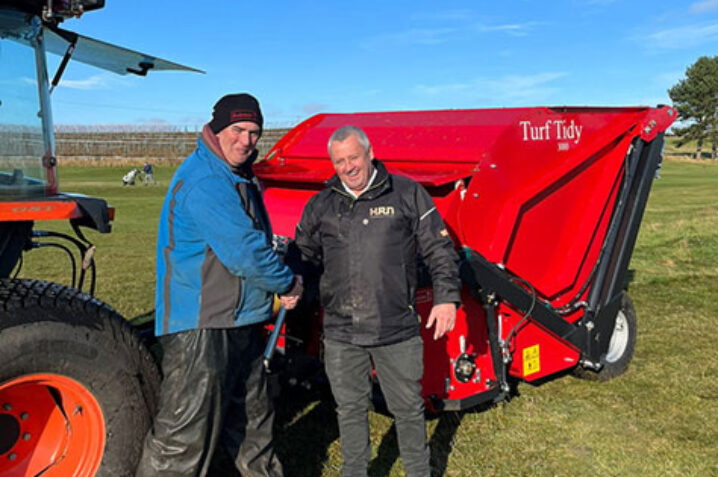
(365, 230)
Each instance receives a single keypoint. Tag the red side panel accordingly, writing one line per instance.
(541, 200)
(439, 379)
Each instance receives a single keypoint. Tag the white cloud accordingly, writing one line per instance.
(506, 90)
(682, 37)
(705, 6)
(436, 36)
(414, 36)
(446, 15)
(313, 108)
(437, 90)
(99, 81)
(514, 29)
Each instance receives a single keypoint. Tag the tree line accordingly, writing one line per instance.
(695, 97)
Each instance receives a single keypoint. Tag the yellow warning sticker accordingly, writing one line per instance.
(532, 360)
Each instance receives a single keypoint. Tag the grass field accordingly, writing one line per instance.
(659, 419)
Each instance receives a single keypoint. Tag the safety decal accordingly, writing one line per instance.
(532, 361)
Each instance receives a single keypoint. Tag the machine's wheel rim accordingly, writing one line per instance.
(60, 429)
(619, 339)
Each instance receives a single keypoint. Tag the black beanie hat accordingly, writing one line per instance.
(234, 108)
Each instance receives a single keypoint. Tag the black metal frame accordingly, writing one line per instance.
(642, 165)
(591, 334)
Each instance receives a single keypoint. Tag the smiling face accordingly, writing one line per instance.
(238, 141)
(352, 162)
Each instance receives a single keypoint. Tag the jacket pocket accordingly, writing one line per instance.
(408, 293)
(219, 293)
(240, 295)
(254, 304)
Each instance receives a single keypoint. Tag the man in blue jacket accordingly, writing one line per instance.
(216, 278)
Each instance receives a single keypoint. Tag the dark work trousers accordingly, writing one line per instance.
(213, 397)
(399, 368)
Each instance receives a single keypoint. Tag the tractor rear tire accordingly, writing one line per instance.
(68, 357)
(620, 348)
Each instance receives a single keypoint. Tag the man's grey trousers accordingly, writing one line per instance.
(399, 369)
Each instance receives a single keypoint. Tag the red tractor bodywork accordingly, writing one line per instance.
(544, 205)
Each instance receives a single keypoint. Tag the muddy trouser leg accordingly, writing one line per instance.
(189, 418)
(399, 368)
(247, 435)
(349, 372)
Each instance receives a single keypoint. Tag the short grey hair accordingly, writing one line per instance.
(344, 132)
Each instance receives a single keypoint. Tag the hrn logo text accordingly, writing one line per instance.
(381, 211)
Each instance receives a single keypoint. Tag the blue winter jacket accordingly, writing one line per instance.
(215, 265)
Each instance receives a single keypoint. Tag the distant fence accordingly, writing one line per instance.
(20, 141)
(155, 146)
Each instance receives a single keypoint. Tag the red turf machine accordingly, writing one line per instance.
(77, 388)
(544, 206)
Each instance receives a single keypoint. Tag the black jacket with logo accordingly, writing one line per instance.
(368, 249)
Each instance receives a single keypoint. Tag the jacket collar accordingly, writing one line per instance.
(381, 183)
(210, 151)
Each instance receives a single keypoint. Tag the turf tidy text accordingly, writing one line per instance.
(551, 129)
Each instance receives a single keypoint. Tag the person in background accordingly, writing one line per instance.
(216, 278)
(149, 176)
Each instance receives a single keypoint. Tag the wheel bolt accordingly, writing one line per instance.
(26, 436)
(12, 456)
(24, 416)
(7, 406)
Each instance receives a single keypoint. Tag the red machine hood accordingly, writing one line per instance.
(440, 147)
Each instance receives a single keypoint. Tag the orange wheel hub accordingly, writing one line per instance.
(49, 423)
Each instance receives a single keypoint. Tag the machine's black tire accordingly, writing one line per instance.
(51, 328)
(621, 347)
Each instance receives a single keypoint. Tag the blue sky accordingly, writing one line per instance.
(304, 57)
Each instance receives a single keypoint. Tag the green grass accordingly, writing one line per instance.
(659, 419)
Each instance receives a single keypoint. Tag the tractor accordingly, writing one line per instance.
(77, 387)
